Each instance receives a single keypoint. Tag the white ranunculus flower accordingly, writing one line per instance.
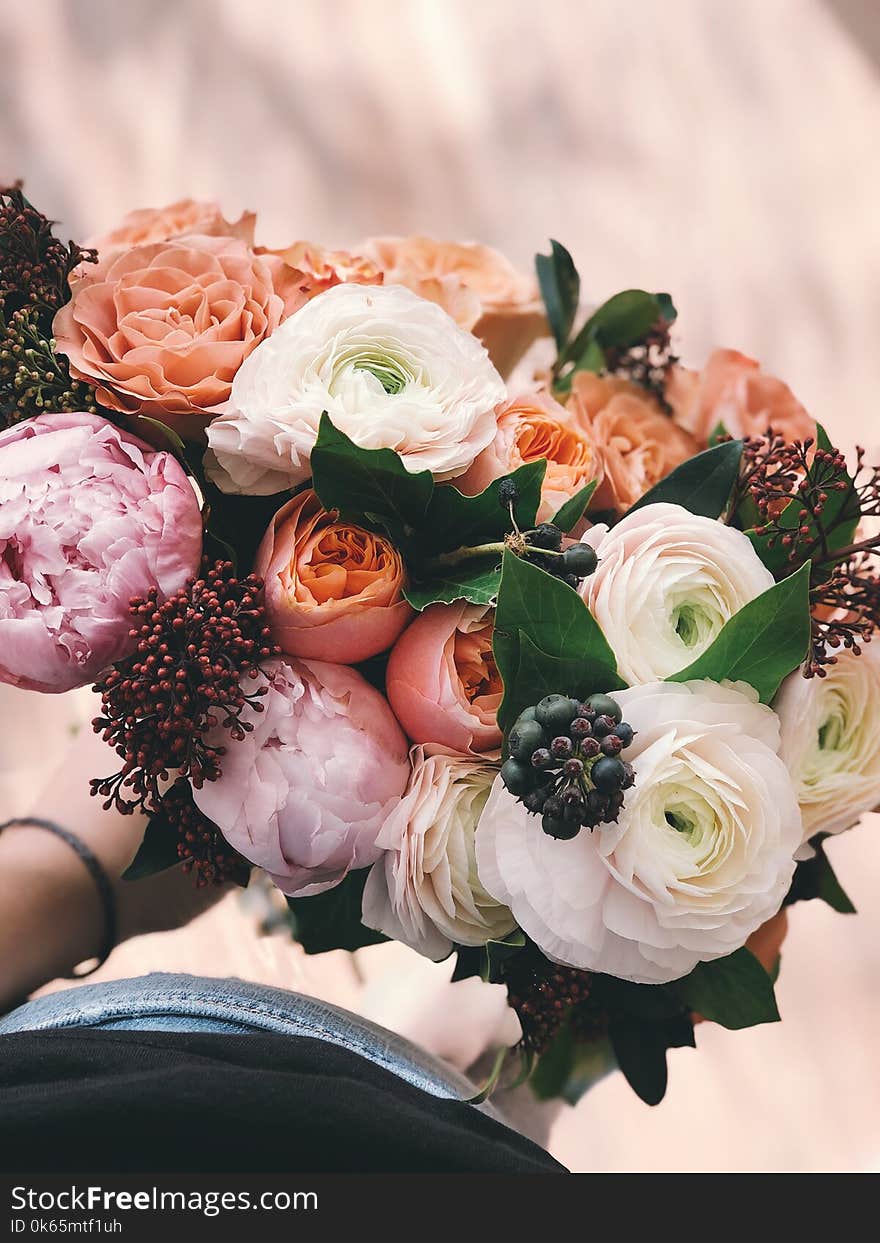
(425, 891)
(831, 740)
(392, 370)
(701, 857)
(666, 583)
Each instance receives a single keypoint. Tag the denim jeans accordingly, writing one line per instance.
(184, 1003)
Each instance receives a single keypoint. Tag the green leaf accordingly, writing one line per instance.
(157, 852)
(668, 311)
(332, 920)
(476, 580)
(640, 1049)
(497, 954)
(702, 484)
(735, 991)
(840, 519)
(648, 1002)
(454, 521)
(624, 320)
(718, 435)
(555, 1065)
(361, 482)
(560, 289)
(546, 637)
(815, 878)
(570, 514)
(763, 642)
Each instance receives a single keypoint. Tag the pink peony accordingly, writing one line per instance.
(89, 517)
(305, 794)
(442, 681)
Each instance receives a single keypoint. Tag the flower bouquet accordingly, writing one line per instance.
(474, 621)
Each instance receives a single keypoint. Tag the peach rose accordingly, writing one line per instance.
(476, 285)
(733, 390)
(529, 429)
(333, 590)
(325, 268)
(160, 224)
(637, 442)
(442, 681)
(161, 329)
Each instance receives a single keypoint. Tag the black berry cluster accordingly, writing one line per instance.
(565, 762)
(544, 549)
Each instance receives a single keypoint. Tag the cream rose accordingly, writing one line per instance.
(666, 583)
(425, 890)
(831, 740)
(392, 371)
(702, 855)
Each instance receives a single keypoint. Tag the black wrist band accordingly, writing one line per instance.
(98, 875)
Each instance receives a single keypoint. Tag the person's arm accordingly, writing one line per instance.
(51, 917)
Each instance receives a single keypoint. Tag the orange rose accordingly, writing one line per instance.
(326, 268)
(161, 329)
(476, 285)
(529, 429)
(160, 224)
(637, 442)
(733, 390)
(442, 681)
(333, 590)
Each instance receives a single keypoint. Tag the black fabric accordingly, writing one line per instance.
(74, 1100)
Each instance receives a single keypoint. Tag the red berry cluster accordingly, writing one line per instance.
(542, 993)
(34, 264)
(186, 677)
(201, 846)
(844, 584)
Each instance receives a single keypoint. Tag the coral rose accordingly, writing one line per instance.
(305, 793)
(89, 517)
(425, 891)
(529, 429)
(325, 268)
(476, 285)
(160, 224)
(733, 390)
(442, 681)
(333, 590)
(637, 442)
(161, 329)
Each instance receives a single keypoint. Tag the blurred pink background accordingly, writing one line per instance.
(727, 153)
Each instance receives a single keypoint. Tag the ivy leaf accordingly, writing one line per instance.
(640, 1049)
(157, 852)
(815, 878)
(763, 642)
(476, 580)
(546, 637)
(453, 520)
(370, 483)
(702, 484)
(570, 514)
(735, 991)
(840, 518)
(498, 952)
(560, 288)
(332, 920)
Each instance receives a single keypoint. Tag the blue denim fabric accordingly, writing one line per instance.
(184, 1003)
